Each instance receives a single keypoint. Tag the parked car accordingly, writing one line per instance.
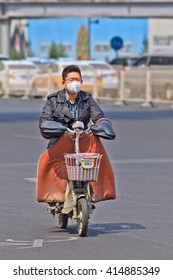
(153, 73)
(50, 77)
(108, 75)
(16, 76)
(3, 57)
(123, 61)
(92, 82)
(154, 58)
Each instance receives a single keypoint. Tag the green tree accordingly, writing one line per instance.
(56, 51)
(144, 45)
(30, 52)
(14, 54)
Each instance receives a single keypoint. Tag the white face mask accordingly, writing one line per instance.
(74, 87)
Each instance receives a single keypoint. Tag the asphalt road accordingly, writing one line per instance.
(137, 225)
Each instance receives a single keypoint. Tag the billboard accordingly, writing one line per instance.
(160, 35)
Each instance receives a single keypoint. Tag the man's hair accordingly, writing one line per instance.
(69, 69)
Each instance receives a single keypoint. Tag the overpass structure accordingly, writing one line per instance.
(19, 9)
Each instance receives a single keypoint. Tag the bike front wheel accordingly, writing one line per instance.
(82, 220)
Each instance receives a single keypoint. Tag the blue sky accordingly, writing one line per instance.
(65, 30)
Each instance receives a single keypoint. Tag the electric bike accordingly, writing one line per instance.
(81, 169)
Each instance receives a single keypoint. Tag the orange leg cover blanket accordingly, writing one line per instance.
(52, 175)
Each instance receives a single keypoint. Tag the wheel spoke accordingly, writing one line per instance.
(82, 221)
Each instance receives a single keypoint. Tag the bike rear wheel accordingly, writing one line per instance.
(82, 220)
(63, 221)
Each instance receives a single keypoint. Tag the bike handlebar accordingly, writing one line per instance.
(78, 127)
(82, 131)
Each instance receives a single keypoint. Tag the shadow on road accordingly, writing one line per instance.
(109, 228)
(106, 228)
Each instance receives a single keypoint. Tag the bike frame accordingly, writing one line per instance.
(76, 189)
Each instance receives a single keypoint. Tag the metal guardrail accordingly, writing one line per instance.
(151, 84)
(8, 88)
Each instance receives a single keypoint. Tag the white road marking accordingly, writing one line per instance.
(60, 240)
(11, 242)
(38, 243)
(125, 226)
(33, 180)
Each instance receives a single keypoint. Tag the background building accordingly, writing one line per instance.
(160, 35)
(19, 38)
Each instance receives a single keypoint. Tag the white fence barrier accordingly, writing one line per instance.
(154, 84)
(149, 84)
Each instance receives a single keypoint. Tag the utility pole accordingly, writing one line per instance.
(90, 21)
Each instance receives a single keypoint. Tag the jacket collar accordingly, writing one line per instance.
(61, 96)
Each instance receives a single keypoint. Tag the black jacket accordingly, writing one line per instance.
(56, 109)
